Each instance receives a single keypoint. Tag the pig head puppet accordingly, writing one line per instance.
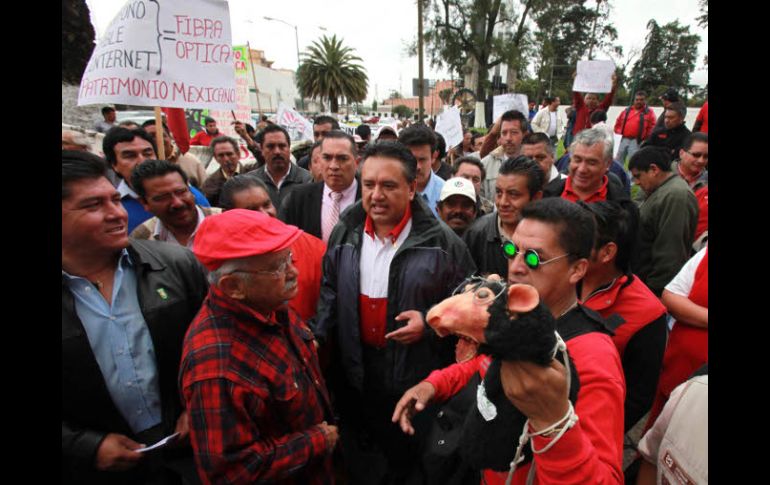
(506, 323)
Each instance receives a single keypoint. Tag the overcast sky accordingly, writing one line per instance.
(379, 32)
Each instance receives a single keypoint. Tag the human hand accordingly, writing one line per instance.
(116, 453)
(540, 393)
(412, 402)
(239, 128)
(412, 331)
(183, 426)
(331, 433)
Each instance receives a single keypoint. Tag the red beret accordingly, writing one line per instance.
(240, 233)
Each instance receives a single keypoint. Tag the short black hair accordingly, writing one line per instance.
(79, 165)
(273, 129)
(522, 165)
(475, 135)
(341, 135)
(471, 160)
(441, 146)
(118, 134)
(539, 137)
(150, 169)
(513, 115)
(641, 92)
(575, 226)
(249, 129)
(598, 116)
(647, 156)
(208, 119)
(364, 131)
(397, 151)
(107, 109)
(226, 139)
(417, 135)
(616, 222)
(152, 123)
(697, 137)
(325, 119)
(237, 184)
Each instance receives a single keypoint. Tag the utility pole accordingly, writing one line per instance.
(419, 52)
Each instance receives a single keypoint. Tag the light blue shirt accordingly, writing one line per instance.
(121, 343)
(432, 192)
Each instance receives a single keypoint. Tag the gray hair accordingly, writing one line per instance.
(229, 266)
(592, 136)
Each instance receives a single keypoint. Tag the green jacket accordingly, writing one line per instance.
(667, 221)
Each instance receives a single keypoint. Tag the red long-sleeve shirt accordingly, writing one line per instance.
(630, 129)
(590, 452)
(582, 113)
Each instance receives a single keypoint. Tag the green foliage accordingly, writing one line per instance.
(330, 70)
(668, 58)
(564, 37)
(77, 40)
(703, 18)
(484, 30)
(374, 105)
(402, 111)
(445, 95)
(395, 95)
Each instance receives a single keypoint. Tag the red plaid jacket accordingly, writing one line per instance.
(254, 390)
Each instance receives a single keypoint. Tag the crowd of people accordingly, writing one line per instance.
(272, 317)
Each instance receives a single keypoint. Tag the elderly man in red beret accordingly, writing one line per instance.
(259, 408)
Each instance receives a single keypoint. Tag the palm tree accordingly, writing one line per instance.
(330, 70)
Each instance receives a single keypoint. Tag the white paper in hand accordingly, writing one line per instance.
(594, 77)
(160, 444)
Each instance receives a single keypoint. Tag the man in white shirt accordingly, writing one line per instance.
(548, 121)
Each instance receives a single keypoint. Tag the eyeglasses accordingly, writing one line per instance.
(483, 289)
(276, 273)
(704, 156)
(531, 258)
(181, 192)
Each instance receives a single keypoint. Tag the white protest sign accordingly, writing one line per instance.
(449, 125)
(594, 77)
(298, 127)
(171, 53)
(507, 102)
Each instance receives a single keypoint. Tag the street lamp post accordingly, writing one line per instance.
(296, 38)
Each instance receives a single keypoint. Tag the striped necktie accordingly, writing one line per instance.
(334, 215)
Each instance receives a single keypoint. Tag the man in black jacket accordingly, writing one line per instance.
(388, 261)
(315, 208)
(126, 306)
(519, 182)
(674, 133)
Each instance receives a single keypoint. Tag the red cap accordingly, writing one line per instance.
(240, 233)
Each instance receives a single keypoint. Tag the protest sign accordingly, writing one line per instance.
(298, 127)
(449, 125)
(242, 109)
(594, 77)
(171, 53)
(507, 102)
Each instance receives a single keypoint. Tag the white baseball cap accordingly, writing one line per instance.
(458, 186)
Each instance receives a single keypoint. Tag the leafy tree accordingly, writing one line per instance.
(459, 31)
(567, 31)
(77, 40)
(445, 95)
(395, 95)
(703, 18)
(330, 70)
(402, 111)
(374, 105)
(668, 58)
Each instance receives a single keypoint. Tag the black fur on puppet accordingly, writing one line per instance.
(528, 337)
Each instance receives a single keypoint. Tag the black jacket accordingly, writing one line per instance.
(301, 207)
(485, 245)
(296, 176)
(88, 413)
(670, 139)
(427, 267)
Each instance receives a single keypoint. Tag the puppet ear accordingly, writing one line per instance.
(522, 298)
